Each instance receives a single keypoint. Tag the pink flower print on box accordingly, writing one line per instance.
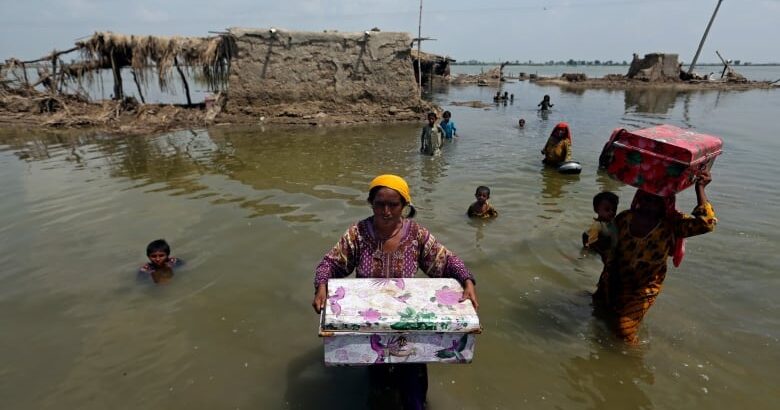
(334, 300)
(370, 315)
(447, 297)
(399, 282)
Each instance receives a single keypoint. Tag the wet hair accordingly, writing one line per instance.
(446, 114)
(431, 114)
(484, 189)
(605, 196)
(158, 246)
(372, 195)
(546, 97)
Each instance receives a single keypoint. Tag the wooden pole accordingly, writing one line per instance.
(26, 80)
(118, 94)
(704, 37)
(49, 57)
(53, 82)
(419, 56)
(183, 80)
(725, 64)
(138, 87)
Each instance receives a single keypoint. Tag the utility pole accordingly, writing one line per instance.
(704, 37)
(419, 56)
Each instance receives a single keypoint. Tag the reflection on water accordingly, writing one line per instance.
(252, 210)
(651, 100)
(554, 182)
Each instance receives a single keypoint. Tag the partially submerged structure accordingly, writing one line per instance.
(277, 75)
(655, 67)
(433, 66)
(657, 70)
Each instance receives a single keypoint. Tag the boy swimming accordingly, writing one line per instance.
(161, 264)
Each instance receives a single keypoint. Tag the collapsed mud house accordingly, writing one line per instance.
(253, 75)
(657, 70)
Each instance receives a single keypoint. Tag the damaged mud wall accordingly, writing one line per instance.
(300, 74)
(655, 67)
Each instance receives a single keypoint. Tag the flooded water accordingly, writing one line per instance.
(252, 211)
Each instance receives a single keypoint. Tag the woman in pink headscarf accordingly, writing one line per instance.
(648, 233)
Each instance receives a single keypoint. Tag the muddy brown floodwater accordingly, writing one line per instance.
(252, 210)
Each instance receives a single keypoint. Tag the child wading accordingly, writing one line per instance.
(431, 137)
(448, 126)
(161, 263)
(545, 105)
(602, 234)
(481, 208)
(647, 234)
(558, 147)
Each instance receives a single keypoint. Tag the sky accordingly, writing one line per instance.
(488, 30)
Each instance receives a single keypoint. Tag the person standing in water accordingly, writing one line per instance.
(448, 125)
(558, 147)
(391, 245)
(431, 137)
(647, 235)
(545, 105)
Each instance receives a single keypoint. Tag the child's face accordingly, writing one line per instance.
(445, 118)
(521, 122)
(606, 211)
(431, 119)
(482, 197)
(158, 258)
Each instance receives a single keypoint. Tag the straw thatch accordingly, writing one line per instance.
(147, 54)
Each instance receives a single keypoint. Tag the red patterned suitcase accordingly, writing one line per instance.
(662, 160)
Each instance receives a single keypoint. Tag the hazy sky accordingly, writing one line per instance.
(485, 30)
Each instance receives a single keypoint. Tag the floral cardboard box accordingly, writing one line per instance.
(371, 321)
(662, 160)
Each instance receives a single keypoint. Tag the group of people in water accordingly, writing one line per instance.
(634, 246)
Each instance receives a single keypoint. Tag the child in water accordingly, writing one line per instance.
(481, 208)
(558, 147)
(602, 234)
(521, 123)
(161, 263)
(431, 136)
(448, 126)
(545, 104)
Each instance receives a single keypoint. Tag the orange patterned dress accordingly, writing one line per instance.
(636, 269)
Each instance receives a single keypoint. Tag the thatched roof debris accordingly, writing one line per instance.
(211, 54)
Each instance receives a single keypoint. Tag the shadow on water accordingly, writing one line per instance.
(310, 385)
(609, 376)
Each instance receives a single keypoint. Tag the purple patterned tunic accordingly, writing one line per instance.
(359, 249)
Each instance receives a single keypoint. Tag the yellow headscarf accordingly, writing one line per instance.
(393, 182)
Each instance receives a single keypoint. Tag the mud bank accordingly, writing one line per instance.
(130, 118)
(625, 83)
